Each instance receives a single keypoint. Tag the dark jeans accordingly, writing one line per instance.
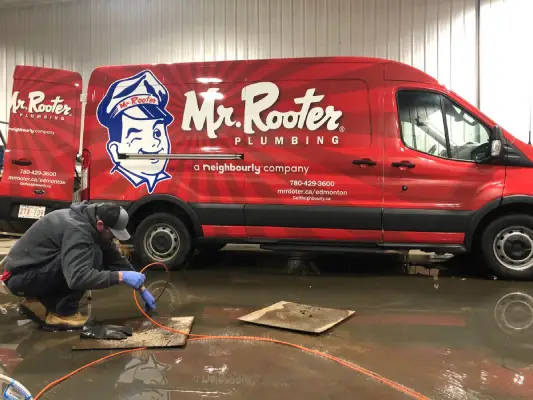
(48, 285)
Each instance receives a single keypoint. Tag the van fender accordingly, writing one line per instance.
(167, 198)
(515, 199)
(506, 202)
(477, 218)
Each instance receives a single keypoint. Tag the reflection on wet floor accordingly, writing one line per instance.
(448, 332)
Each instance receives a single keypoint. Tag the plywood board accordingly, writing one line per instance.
(145, 334)
(298, 317)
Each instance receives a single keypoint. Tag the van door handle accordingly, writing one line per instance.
(364, 161)
(403, 164)
(22, 162)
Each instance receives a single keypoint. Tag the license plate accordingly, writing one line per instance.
(31, 212)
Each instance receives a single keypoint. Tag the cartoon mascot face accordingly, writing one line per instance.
(134, 113)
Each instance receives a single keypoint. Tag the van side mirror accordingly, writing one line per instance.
(496, 137)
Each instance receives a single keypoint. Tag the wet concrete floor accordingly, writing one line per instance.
(448, 332)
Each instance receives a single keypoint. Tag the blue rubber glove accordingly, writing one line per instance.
(149, 300)
(133, 279)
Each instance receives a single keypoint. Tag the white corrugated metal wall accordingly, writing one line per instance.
(438, 36)
(506, 59)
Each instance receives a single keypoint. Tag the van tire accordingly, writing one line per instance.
(164, 238)
(507, 246)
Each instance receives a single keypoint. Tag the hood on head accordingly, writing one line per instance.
(86, 211)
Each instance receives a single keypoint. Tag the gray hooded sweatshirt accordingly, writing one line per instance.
(69, 240)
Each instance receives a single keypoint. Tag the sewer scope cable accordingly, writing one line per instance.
(196, 337)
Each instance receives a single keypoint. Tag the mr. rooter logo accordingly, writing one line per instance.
(135, 112)
(38, 106)
(259, 97)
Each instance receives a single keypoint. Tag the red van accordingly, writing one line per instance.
(311, 154)
(43, 140)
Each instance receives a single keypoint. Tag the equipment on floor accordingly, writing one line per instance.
(143, 334)
(110, 332)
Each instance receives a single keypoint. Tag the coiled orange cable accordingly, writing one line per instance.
(195, 337)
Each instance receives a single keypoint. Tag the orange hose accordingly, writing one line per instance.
(195, 337)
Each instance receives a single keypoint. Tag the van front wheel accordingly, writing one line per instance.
(507, 246)
(162, 238)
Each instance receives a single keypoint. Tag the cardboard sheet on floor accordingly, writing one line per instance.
(298, 317)
(145, 334)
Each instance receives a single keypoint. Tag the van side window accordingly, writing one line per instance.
(433, 124)
(466, 132)
(422, 122)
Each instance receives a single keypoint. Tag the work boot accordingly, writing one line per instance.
(34, 310)
(54, 322)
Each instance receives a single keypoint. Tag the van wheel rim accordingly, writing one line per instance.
(513, 248)
(162, 242)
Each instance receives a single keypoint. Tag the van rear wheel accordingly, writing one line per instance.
(507, 246)
(163, 238)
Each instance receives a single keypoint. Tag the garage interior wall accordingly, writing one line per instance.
(438, 36)
(506, 63)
